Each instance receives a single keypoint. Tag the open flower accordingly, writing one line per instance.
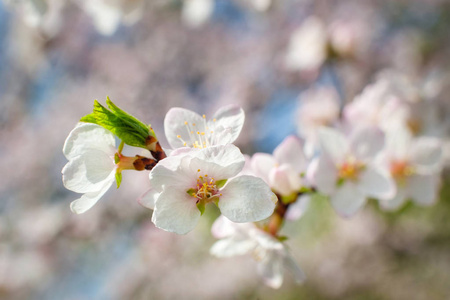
(185, 128)
(188, 181)
(271, 255)
(414, 163)
(377, 105)
(346, 171)
(91, 169)
(282, 170)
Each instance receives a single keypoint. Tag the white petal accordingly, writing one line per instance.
(298, 208)
(323, 173)
(290, 151)
(227, 158)
(262, 164)
(88, 172)
(271, 269)
(246, 199)
(396, 202)
(423, 189)
(334, 144)
(231, 118)
(88, 200)
(232, 246)
(175, 211)
(149, 198)
(398, 143)
(161, 176)
(347, 199)
(284, 180)
(377, 183)
(366, 142)
(174, 125)
(426, 153)
(88, 136)
(291, 265)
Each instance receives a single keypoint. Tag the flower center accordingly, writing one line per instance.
(206, 189)
(401, 169)
(199, 135)
(350, 169)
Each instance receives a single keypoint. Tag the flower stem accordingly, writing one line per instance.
(277, 218)
(137, 162)
(155, 148)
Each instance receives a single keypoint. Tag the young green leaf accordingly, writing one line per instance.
(129, 129)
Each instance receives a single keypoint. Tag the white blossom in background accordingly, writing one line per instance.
(91, 169)
(396, 100)
(187, 179)
(353, 28)
(108, 15)
(425, 116)
(307, 49)
(185, 128)
(271, 255)
(379, 106)
(258, 5)
(415, 164)
(346, 170)
(284, 172)
(197, 12)
(261, 5)
(405, 88)
(348, 37)
(319, 107)
(45, 15)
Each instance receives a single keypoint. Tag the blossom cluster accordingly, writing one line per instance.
(376, 148)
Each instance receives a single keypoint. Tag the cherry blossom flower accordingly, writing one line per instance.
(414, 163)
(45, 15)
(282, 170)
(185, 128)
(188, 180)
(307, 48)
(378, 106)
(271, 255)
(91, 169)
(346, 170)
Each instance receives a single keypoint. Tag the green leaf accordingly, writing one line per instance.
(220, 183)
(340, 181)
(129, 129)
(118, 179)
(201, 207)
(282, 238)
